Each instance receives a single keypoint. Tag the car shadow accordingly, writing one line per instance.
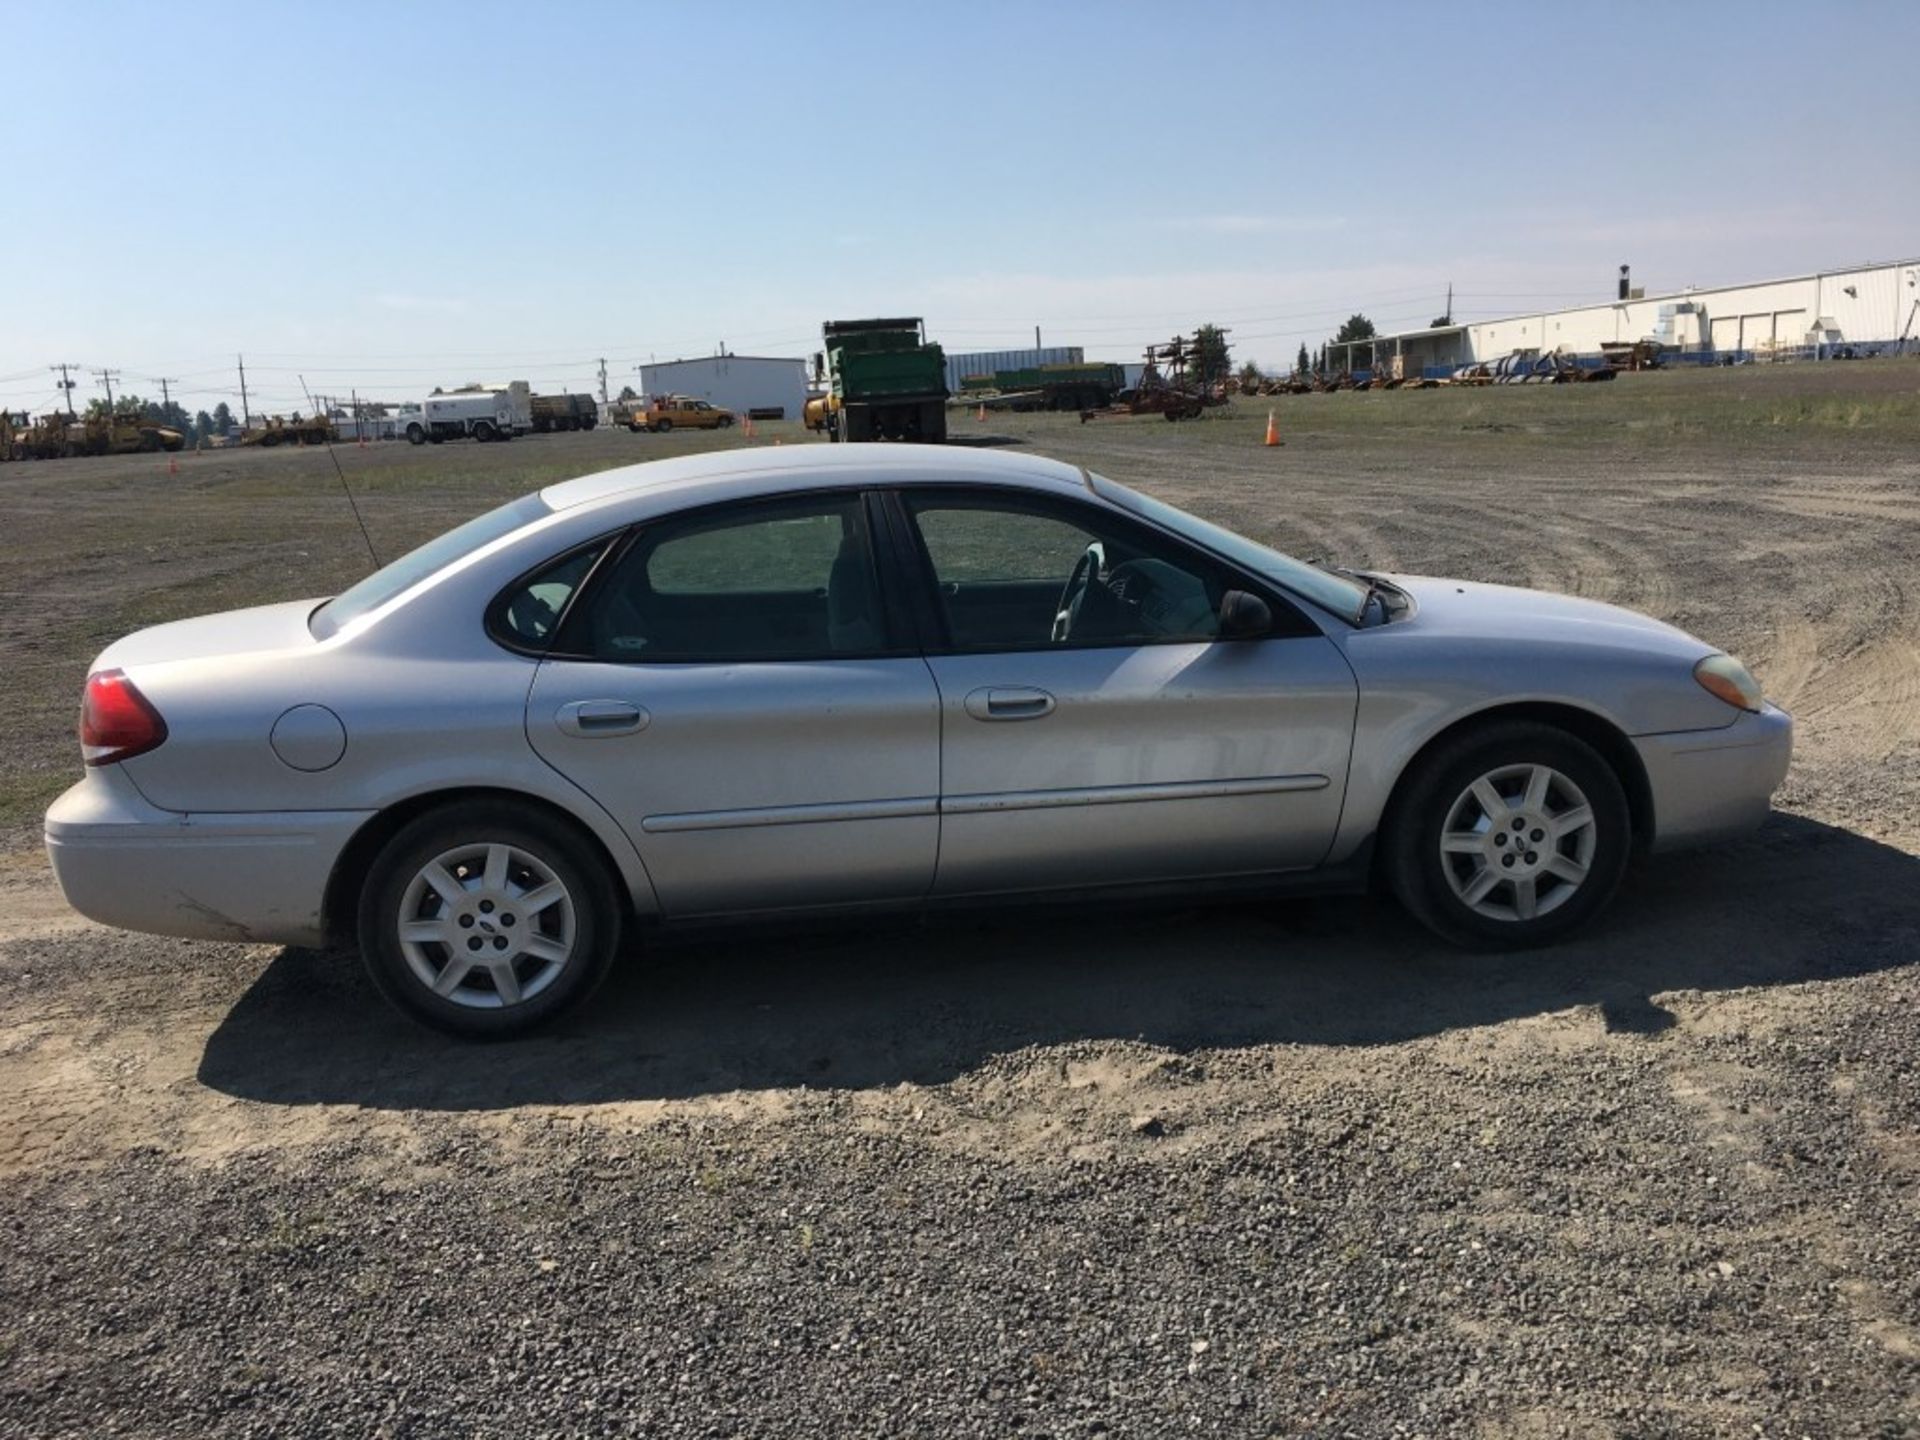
(872, 1006)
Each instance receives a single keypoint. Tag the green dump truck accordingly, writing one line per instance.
(881, 381)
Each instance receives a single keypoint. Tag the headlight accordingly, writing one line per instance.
(1725, 678)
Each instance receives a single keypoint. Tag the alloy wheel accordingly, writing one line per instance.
(1518, 843)
(487, 925)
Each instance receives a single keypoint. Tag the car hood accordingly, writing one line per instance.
(1508, 612)
(210, 637)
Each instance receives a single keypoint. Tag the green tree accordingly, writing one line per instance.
(627, 394)
(1209, 358)
(125, 407)
(1357, 327)
(222, 418)
(1439, 322)
(202, 425)
(1305, 361)
(1250, 374)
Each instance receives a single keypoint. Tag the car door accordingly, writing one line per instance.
(1115, 738)
(731, 690)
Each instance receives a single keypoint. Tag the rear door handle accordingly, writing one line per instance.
(594, 718)
(1009, 702)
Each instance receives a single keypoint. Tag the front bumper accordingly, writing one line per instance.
(260, 878)
(1710, 783)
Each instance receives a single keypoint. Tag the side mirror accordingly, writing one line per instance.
(1244, 616)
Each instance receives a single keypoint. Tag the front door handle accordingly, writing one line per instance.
(594, 718)
(1009, 702)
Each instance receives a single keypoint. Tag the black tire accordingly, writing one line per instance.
(483, 431)
(415, 435)
(1416, 869)
(661, 426)
(725, 422)
(571, 859)
(635, 426)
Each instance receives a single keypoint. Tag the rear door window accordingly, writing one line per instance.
(788, 579)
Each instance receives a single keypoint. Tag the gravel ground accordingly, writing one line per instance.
(1254, 1170)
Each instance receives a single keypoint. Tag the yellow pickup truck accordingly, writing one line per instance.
(678, 412)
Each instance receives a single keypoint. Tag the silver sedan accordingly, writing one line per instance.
(781, 680)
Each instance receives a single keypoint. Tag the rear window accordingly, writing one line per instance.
(416, 565)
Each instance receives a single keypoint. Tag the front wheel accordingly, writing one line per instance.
(484, 922)
(1508, 836)
(661, 427)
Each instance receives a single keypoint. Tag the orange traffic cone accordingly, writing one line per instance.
(982, 416)
(1273, 430)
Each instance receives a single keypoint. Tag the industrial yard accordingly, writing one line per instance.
(1286, 1169)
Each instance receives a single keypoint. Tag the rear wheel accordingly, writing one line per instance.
(483, 430)
(481, 921)
(1508, 836)
(661, 426)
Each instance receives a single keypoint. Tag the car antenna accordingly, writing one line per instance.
(327, 439)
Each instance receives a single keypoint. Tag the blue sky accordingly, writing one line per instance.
(394, 196)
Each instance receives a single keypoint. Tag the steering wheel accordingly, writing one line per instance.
(1088, 568)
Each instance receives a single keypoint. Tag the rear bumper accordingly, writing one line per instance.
(1710, 783)
(260, 878)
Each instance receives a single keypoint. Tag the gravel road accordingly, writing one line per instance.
(1285, 1169)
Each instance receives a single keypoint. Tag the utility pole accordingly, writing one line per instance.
(106, 378)
(246, 416)
(1036, 337)
(166, 399)
(603, 381)
(1448, 312)
(67, 383)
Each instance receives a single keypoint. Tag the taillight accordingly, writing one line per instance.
(117, 722)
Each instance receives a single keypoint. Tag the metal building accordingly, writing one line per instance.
(741, 383)
(1811, 315)
(985, 362)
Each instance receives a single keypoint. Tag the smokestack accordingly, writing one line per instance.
(1625, 282)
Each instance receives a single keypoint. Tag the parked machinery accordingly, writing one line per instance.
(564, 412)
(880, 380)
(1088, 385)
(317, 431)
(62, 434)
(1166, 387)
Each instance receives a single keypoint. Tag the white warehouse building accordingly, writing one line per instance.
(741, 383)
(1870, 305)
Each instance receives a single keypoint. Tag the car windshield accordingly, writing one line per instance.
(1342, 596)
(416, 565)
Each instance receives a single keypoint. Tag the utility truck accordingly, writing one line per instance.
(476, 413)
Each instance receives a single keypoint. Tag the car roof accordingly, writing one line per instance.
(817, 467)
